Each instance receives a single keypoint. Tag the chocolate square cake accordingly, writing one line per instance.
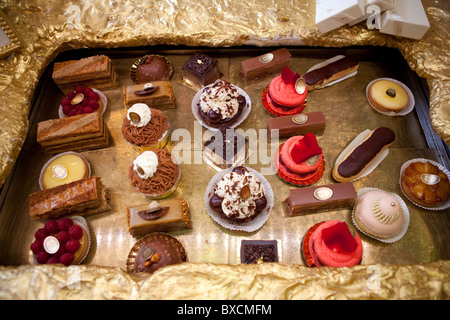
(257, 251)
(200, 70)
(226, 148)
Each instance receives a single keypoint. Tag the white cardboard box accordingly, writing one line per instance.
(372, 7)
(406, 19)
(331, 14)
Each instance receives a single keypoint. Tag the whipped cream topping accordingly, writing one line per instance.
(145, 164)
(229, 188)
(220, 97)
(144, 112)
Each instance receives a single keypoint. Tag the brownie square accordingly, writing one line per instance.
(256, 251)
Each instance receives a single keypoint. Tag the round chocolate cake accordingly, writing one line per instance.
(153, 68)
(154, 251)
(239, 196)
(221, 103)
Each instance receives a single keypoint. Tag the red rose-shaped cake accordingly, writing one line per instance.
(286, 94)
(300, 160)
(331, 243)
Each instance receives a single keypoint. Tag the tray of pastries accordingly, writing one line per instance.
(226, 156)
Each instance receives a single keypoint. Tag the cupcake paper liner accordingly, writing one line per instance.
(83, 224)
(405, 226)
(250, 226)
(442, 206)
(403, 112)
(245, 112)
(376, 161)
(57, 156)
(102, 97)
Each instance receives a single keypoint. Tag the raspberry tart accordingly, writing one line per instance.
(82, 100)
(64, 241)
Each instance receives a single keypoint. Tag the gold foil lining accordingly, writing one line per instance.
(266, 281)
(49, 28)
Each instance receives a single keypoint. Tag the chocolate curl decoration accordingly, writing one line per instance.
(288, 76)
(339, 238)
(305, 148)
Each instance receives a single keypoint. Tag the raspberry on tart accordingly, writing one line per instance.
(81, 100)
(64, 241)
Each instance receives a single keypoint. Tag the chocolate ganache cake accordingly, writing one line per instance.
(239, 196)
(200, 70)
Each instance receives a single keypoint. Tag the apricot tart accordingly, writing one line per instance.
(64, 241)
(425, 183)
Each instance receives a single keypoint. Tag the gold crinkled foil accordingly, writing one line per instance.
(51, 27)
(269, 281)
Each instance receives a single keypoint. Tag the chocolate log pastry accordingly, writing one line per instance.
(332, 71)
(362, 156)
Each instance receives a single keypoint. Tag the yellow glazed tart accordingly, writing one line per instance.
(386, 95)
(64, 168)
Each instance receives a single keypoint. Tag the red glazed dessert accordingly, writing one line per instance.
(65, 241)
(300, 160)
(82, 100)
(286, 94)
(331, 243)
